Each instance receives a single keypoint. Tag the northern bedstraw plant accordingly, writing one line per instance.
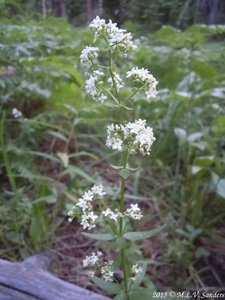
(105, 84)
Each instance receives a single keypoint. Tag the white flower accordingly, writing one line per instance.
(110, 214)
(101, 98)
(113, 140)
(83, 204)
(16, 113)
(88, 220)
(88, 196)
(98, 190)
(136, 269)
(118, 81)
(134, 212)
(88, 54)
(147, 79)
(116, 37)
(71, 213)
(91, 273)
(97, 23)
(132, 136)
(93, 86)
(92, 260)
(107, 272)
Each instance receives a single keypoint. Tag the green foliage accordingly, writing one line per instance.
(42, 153)
(110, 287)
(152, 14)
(135, 236)
(100, 236)
(188, 117)
(39, 76)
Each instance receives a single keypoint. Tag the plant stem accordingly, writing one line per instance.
(122, 191)
(112, 74)
(131, 96)
(123, 251)
(125, 275)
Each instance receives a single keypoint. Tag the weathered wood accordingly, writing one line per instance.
(30, 280)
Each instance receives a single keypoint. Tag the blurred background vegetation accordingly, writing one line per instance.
(55, 150)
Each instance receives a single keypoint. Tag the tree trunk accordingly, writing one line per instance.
(43, 4)
(213, 11)
(89, 10)
(30, 280)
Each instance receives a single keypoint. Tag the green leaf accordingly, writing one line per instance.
(58, 135)
(100, 236)
(64, 158)
(196, 170)
(84, 153)
(116, 167)
(192, 137)
(135, 236)
(218, 185)
(124, 173)
(44, 155)
(121, 296)
(141, 294)
(181, 135)
(14, 237)
(38, 231)
(120, 243)
(109, 287)
(51, 199)
(204, 161)
(73, 170)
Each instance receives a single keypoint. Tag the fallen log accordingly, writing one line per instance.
(31, 280)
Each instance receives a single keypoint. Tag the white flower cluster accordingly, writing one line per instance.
(106, 271)
(93, 86)
(16, 113)
(134, 212)
(92, 259)
(132, 136)
(88, 54)
(116, 37)
(147, 79)
(88, 219)
(111, 214)
(136, 269)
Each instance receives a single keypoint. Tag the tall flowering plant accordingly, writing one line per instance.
(104, 83)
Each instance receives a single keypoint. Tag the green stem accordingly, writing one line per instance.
(123, 251)
(112, 74)
(6, 162)
(125, 275)
(131, 96)
(111, 95)
(122, 191)
(134, 93)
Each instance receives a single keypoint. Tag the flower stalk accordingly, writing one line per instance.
(122, 191)
(128, 138)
